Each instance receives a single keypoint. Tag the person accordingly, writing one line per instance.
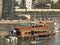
(22, 35)
(32, 35)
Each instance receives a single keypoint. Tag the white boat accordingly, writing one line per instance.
(35, 42)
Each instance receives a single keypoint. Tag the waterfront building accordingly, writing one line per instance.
(8, 9)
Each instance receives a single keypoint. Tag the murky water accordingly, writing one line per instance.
(53, 41)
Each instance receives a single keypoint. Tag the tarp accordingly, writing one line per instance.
(25, 24)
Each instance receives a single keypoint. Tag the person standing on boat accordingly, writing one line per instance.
(22, 35)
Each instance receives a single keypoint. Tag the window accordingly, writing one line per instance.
(29, 32)
(26, 33)
(35, 32)
(29, 5)
(40, 26)
(29, 2)
(33, 0)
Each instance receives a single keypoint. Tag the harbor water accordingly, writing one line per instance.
(19, 41)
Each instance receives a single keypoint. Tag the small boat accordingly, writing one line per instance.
(42, 38)
(35, 42)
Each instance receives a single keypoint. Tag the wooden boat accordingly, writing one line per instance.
(37, 30)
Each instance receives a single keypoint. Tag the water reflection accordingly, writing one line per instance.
(11, 41)
(19, 41)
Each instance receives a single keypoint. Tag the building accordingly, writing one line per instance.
(8, 9)
(28, 4)
(25, 4)
(19, 1)
(0, 8)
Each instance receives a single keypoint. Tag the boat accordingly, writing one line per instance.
(40, 28)
(35, 42)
